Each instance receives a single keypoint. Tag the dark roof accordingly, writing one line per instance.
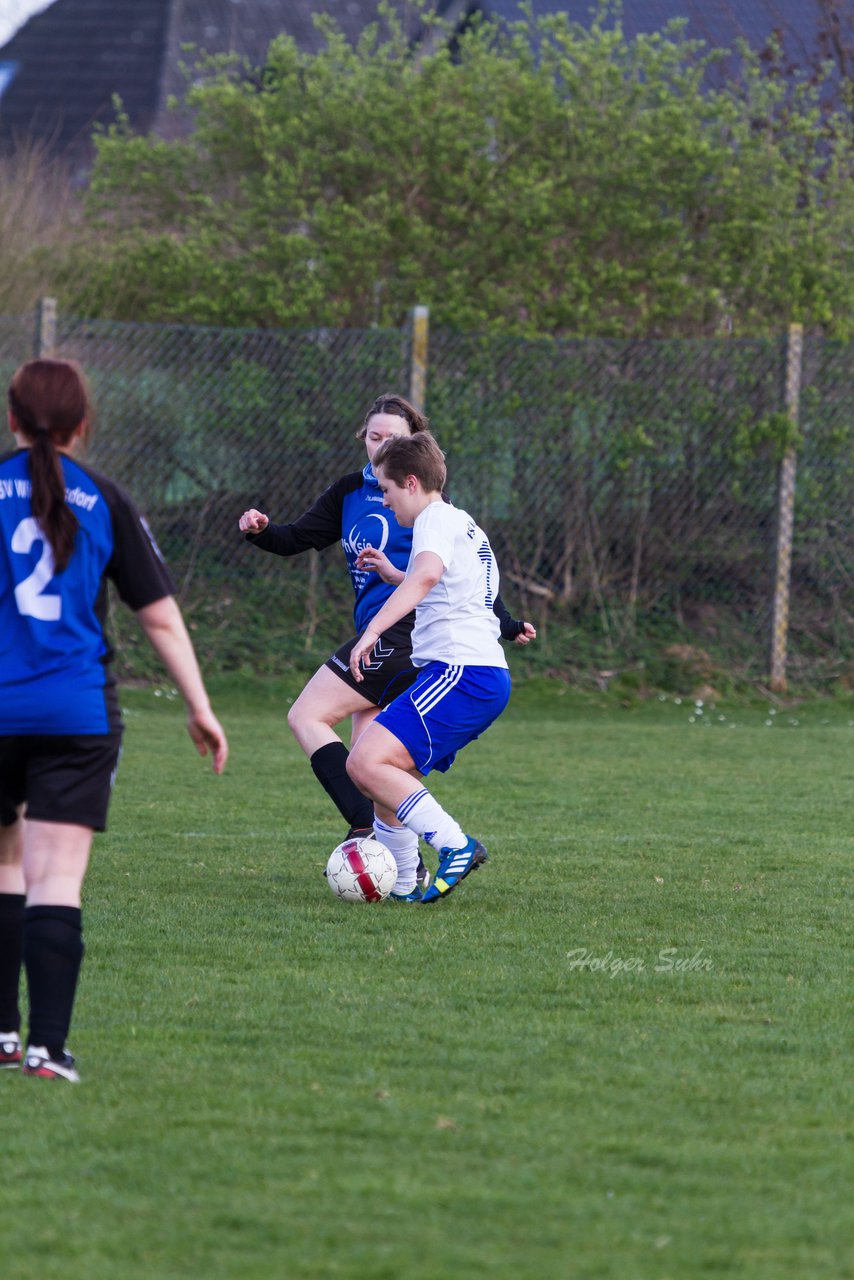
(720, 23)
(65, 64)
(59, 72)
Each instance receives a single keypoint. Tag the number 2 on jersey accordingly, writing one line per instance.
(29, 597)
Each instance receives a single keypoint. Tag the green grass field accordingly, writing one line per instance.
(512, 1084)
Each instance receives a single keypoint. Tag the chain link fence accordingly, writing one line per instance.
(631, 489)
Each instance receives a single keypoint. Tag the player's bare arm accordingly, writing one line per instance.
(426, 571)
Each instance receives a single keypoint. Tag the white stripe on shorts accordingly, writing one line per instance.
(434, 692)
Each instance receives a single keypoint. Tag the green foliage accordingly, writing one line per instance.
(774, 431)
(546, 180)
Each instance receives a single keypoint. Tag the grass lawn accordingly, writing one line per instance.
(619, 1051)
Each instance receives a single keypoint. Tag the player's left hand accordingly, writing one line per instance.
(360, 650)
(526, 635)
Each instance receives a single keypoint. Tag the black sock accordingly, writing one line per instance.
(53, 953)
(330, 768)
(11, 948)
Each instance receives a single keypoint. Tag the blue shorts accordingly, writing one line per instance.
(447, 707)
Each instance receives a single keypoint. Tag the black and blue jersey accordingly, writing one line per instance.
(351, 512)
(55, 675)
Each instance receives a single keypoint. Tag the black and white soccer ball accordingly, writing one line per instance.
(361, 870)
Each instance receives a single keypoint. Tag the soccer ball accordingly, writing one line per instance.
(361, 870)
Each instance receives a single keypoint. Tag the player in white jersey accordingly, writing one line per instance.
(463, 685)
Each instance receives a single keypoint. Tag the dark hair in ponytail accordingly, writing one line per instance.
(48, 401)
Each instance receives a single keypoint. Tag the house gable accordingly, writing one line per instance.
(66, 63)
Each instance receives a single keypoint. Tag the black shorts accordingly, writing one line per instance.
(61, 778)
(391, 670)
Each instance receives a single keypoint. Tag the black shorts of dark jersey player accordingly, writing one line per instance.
(391, 670)
(62, 778)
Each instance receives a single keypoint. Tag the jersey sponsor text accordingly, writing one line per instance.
(18, 488)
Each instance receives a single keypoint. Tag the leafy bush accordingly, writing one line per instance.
(549, 179)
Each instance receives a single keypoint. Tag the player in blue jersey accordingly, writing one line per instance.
(65, 530)
(463, 683)
(351, 512)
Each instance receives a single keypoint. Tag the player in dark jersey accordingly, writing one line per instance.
(65, 530)
(351, 512)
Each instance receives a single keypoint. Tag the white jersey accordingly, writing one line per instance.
(454, 622)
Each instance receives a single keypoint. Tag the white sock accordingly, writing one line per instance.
(403, 845)
(422, 814)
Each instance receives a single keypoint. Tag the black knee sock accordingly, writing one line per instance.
(53, 953)
(330, 768)
(11, 946)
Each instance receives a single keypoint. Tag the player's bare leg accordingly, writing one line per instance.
(381, 766)
(325, 702)
(412, 874)
(12, 903)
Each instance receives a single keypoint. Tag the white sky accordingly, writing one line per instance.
(14, 13)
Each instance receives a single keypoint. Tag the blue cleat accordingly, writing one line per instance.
(454, 866)
(414, 895)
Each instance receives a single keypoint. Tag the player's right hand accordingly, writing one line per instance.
(253, 521)
(360, 651)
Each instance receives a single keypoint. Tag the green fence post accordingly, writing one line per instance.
(785, 515)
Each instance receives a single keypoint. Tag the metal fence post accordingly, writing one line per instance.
(45, 335)
(418, 367)
(785, 515)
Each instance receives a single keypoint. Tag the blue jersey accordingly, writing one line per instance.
(351, 512)
(55, 676)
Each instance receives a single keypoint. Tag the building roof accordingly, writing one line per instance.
(60, 71)
(718, 22)
(804, 27)
(65, 64)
